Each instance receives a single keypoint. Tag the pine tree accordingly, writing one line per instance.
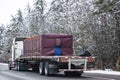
(37, 17)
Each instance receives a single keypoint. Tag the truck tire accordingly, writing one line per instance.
(10, 68)
(50, 69)
(41, 68)
(21, 66)
(10, 65)
(18, 66)
(47, 68)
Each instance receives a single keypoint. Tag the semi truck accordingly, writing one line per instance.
(49, 54)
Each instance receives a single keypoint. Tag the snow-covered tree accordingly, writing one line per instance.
(37, 17)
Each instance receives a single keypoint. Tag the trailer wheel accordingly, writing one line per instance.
(50, 68)
(41, 68)
(9, 66)
(47, 68)
(21, 66)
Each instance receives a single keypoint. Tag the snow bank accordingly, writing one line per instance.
(107, 71)
(3, 64)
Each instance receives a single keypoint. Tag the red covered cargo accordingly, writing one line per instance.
(48, 45)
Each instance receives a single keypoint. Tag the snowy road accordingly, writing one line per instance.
(6, 74)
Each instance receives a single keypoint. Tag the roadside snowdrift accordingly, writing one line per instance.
(3, 64)
(107, 71)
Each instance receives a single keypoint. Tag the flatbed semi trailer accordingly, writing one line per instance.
(49, 54)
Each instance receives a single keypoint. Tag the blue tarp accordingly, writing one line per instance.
(57, 51)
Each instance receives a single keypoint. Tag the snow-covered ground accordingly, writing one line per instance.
(107, 71)
(3, 64)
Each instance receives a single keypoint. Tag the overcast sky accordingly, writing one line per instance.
(10, 7)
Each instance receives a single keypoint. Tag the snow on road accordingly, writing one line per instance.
(110, 72)
(3, 64)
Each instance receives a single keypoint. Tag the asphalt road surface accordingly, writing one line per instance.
(6, 74)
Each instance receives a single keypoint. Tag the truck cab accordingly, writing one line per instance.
(16, 50)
